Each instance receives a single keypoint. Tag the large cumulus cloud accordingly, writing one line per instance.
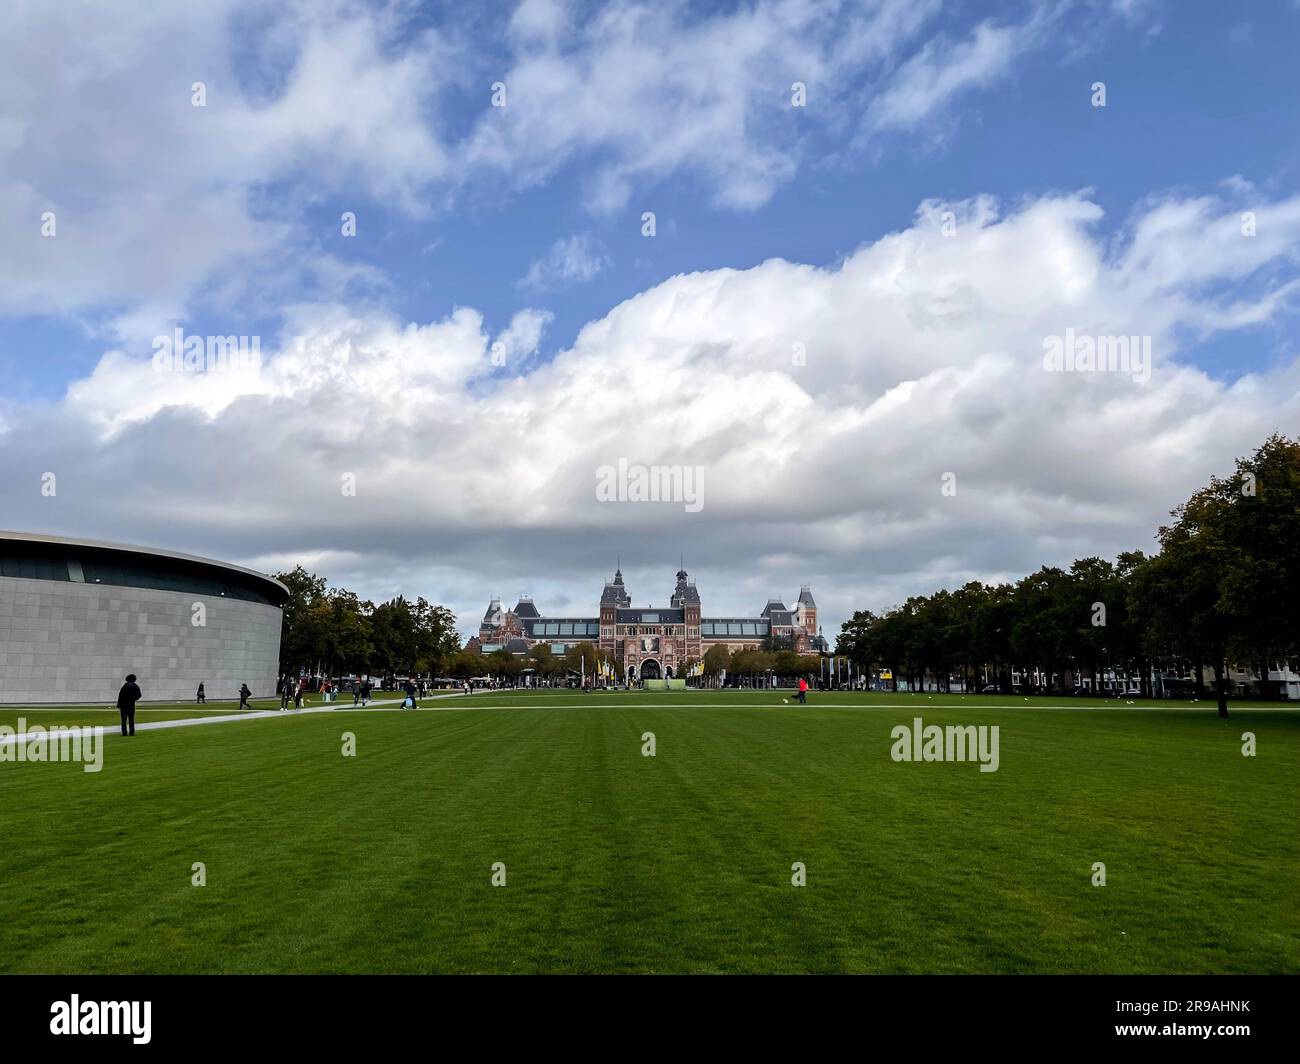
(824, 405)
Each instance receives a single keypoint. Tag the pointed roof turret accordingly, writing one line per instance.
(615, 593)
(685, 590)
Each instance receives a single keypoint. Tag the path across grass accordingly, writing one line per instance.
(106, 714)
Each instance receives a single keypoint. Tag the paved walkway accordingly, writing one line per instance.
(388, 705)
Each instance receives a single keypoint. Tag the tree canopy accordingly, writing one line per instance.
(1221, 590)
(330, 631)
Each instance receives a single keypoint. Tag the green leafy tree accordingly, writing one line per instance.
(544, 662)
(348, 632)
(1221, 590)
(302, 631)
(503, 665)
(1223, 583)
(717, 660)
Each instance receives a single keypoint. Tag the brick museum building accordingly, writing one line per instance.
(654, 642)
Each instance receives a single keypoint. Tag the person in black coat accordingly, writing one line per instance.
(244, 692)
(200, 697)
(126, 700)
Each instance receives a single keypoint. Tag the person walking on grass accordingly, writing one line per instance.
(200, 697)
(244, 692)
(285, 693)
(410, 693)
(126, 700)
(803, 691)
(298, 693)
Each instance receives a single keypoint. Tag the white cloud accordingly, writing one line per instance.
(162, 205)
(154, 197)
(943, 69)
(647, 90)
(574, 259)
(521, 337)
(922, 355)
(540, 20)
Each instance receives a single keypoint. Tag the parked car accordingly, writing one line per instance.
(1132, 692)
(989, 689)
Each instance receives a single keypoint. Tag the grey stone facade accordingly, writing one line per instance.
(62, 641)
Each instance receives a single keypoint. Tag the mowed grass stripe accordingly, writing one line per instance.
(675, 863)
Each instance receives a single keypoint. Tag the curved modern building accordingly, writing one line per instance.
(77, 615)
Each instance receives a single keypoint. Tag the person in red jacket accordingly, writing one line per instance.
(803, 690)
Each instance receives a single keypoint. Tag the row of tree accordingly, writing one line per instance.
(757, 663)
(331, 632)
(1223, 590)
(586, 658)
(579, 660)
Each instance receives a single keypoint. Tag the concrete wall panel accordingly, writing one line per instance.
(75, 642)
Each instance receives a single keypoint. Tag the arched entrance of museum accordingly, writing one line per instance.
(650, 669)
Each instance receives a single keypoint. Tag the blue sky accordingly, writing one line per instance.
(1195, 95)
(226, 220)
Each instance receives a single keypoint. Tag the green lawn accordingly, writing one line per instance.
(680, 862)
